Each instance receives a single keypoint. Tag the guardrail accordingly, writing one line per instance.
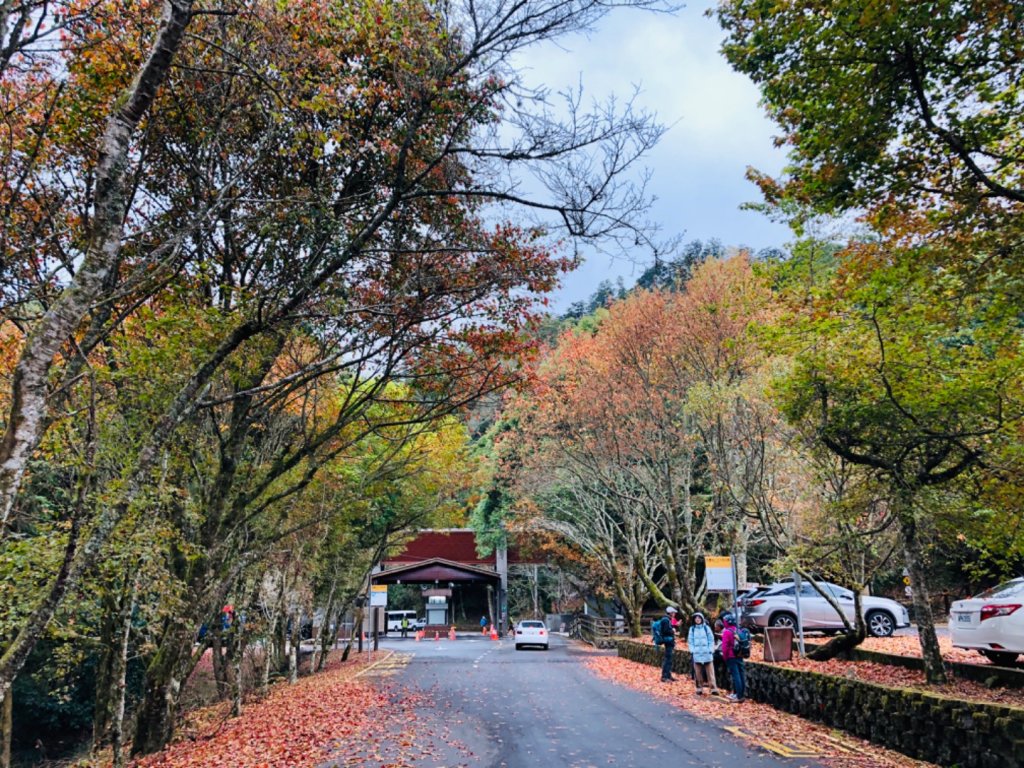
(602, 632)
(597, 631)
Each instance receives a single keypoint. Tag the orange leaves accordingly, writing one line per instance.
(294, 726)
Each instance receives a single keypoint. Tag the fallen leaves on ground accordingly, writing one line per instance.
(911, 646)
(758, 719)
(897, 677)
(894, 676)
(292, 727)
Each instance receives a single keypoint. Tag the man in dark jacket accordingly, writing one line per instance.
(668, 642)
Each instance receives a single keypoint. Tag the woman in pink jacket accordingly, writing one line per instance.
(733, 663)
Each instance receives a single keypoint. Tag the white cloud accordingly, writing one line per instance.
(717, 127)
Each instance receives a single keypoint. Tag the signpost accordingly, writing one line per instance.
(720, 574)
(799, 616)
(378, 600)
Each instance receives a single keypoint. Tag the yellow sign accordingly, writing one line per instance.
(718, 573)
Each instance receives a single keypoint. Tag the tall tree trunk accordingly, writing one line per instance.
(6, 726)
(934, 670)
(269, 653)
(237, 683)
(105, 672)
(293, 649)
(326, 636)
(158, 711)
(120, 674)
(27, 416)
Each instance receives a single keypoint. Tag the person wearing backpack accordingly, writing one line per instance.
(665, 636)
(732, 650)
(701, 642)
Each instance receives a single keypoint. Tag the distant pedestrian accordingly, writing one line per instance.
(665, 636)
(733, 662)
(405, 626)
(701, 641)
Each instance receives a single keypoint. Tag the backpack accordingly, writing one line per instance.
(656, 632)
(741, 643)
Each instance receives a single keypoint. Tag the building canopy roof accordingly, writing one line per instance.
(436, 569)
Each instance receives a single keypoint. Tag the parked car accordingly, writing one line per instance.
(743, 598)
(991, 623)
(419, 624)
(776, 607)
(531, 632)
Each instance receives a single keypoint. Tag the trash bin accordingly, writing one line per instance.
(778, 643)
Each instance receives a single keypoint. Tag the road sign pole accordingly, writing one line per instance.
(799, 616)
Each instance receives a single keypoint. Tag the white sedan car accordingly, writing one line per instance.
(531, 632)
(991, 623)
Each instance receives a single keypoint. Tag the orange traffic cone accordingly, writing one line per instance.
(451, 633)
(494, 633)
(436, 636)
(419, 634)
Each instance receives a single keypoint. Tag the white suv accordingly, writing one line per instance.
(776, 607)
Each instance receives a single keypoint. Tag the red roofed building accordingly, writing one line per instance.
(457, 544)
(444, 559)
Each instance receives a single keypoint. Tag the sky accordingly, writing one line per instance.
(716, 129)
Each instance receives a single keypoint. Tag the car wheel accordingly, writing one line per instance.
(880, 624)
(783, 619)
(519, 647)
(1001, 658)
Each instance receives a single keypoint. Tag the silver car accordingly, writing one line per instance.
(776, 607)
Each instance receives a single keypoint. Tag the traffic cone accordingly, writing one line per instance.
(436, 635)
(451, 633)
(419, 635)
(494, 633)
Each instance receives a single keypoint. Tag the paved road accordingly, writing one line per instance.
(477, 702)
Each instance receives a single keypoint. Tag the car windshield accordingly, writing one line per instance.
(1009, 589)
(532, 624)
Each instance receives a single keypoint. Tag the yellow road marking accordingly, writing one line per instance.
(784, 750)
(389, 665)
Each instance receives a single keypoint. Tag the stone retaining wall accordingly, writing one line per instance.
(986, 674)
(926, 726)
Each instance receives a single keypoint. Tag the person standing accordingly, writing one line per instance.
(733, 663)
(665, 636)
(701, 641)
(405, 627)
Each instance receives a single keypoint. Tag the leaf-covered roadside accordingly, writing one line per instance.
(294, 726)
(887, 674)
(754, 718)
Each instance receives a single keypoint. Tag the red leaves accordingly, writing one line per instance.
(296, 725)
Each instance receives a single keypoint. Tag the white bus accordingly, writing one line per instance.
(393, 620)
